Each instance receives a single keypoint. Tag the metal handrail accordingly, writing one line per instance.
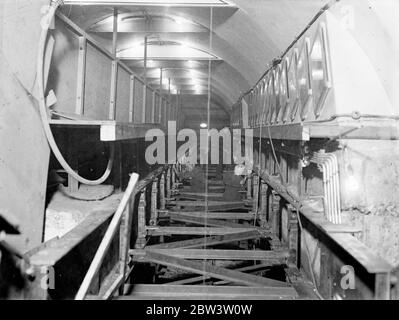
(134, 187)
(107, 239)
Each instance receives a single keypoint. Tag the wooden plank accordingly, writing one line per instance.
(124, 131)
(109, 130)
(372, 262)
(57, 250)
(71, 255)
(110, 235)
(210, 205)
(217, 272)
(330, 227)
(195, 292)
(200, 196)
(251, 268)
(274, 257)
(293, 131)
(157, 231)
(203, 203)
(208, 241)
(221, 215)
(203, 220)
(141, 221)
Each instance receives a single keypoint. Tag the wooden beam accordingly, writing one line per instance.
(200, 196)
(208, 241)
(203, 220)
(220, 215)
(65, 256)
(210, 205)
(123, 131)
(273, 257)
(157, 231)
(251, 268)
(179, 292)
(109, 130)
(214, 271)
(362, 254)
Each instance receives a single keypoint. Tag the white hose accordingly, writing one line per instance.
(43, 107)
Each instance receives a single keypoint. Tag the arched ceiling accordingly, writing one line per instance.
(236, 44)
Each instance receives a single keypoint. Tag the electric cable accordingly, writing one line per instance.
(45, 23)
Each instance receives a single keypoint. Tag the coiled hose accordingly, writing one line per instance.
(45, 23)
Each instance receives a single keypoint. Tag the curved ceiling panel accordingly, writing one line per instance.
(245, 39)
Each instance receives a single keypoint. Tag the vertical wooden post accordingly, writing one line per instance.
(293, 235)
(263, 203)
(153, 108)
(131, 99)
(141, 228)
(73, 184)
(177, 110)
(255, 194)
(114, 79)
(80, 82)
(154, 203)
(143, 119)
(115, 32)
(283, 167)
(168, 183)
(114, 70)
(160, 109)
(271, 162)
(173, 178)
(143, 116)
(162, 192)
(163, 111)
(249, 187)
(275, 213)
(125, 234)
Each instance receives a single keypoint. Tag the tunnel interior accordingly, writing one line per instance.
(214, 149)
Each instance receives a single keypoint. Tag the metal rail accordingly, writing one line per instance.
(125, 211)
(108, 237)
